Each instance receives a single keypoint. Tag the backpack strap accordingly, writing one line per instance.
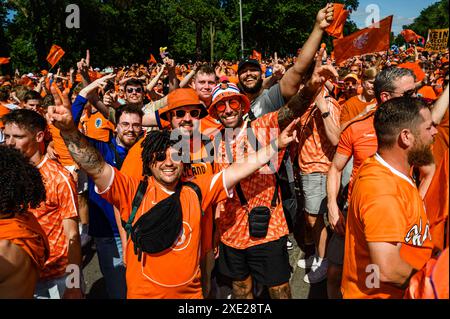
(197, 190)
(135, 205)
(119, 161)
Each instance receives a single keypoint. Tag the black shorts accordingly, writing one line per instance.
(267, 263)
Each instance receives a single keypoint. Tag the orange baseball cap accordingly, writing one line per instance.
(352, 76)
(179, 98)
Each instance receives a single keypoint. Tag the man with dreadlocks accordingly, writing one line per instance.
(173, 272)
(23, 243)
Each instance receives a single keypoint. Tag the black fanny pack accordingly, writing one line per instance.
(161, 226)
(258, 217)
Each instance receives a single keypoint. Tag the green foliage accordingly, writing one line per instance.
(433, 17)
(121, 32)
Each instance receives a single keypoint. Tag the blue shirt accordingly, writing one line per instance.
(102, 222)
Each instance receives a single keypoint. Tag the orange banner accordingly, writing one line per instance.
(55, 54)
(4, 60)
(375, 38)
(340, 15)
(257, 56)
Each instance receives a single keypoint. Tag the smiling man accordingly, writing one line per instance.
(172, 272)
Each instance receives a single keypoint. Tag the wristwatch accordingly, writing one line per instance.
(325, 115)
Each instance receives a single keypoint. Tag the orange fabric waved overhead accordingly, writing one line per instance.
(368, 40)
(152, 60)
(4, 60)
(55, 54)
(409, 35)
(340, 15)
(257, 56)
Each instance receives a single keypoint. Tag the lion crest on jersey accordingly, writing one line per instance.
(98, 123)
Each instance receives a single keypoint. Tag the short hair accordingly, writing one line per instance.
(26, 119)
(205, 69)
(385, 80)
(128, 108)
(32, 95)
(395, 115)
(22, 187)
(134, 82)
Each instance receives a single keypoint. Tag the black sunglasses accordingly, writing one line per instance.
(175, 156)
(181, 113)
(137, 90)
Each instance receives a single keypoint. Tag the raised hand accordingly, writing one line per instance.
(324, 17)
(336, 219)
(321, 73)
(288, 135)
(60, 114)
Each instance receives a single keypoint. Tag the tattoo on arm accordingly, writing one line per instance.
(296, 106)
(84, 154)
(242, 290)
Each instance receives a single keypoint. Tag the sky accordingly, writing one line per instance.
(404, 11)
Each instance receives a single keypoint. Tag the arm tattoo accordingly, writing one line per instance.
(296, 107)
(84, 154)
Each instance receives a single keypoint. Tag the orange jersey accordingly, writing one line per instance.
(360, 141)
(258, 188)
(24, 231)
(60, 204)
(315, 151)
(174, 273)
(352, 107)
(60, 147)
(385, 207)
(94, 125)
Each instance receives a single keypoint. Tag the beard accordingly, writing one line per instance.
(421, 156)
(252, 90)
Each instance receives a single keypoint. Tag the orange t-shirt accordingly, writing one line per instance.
(60, 147)
(132, 166)
(360, 141)
(315, 151)
(60, 204)
(3, 111)
(258, 188)
(24, 231)
(352, 107)
(94, 125)
(385, 207)
(174, 273)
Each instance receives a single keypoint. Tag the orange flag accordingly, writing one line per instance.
(257, 56)
(4, 60)
(368, 40)
(55, 54)
(436, 204)
(152, 60)
(409, 35)
(340, 15)
(415, 67)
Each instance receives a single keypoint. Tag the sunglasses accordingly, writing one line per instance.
(131, 90)
(234, 104)
(182, 113)
(408, 93)
(175, 156)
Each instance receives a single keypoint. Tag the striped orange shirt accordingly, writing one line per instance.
(258, 188)
(60, 204)
(315, 150)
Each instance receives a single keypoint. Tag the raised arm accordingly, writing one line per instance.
(298, 104)
(84, 154)
(332, 129)
(290, 82)
(240, 170)
(153, 82)
(440, 107)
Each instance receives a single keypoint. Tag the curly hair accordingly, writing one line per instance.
(157, 142)
(21, 183)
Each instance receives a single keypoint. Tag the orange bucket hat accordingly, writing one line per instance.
(179, 98)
